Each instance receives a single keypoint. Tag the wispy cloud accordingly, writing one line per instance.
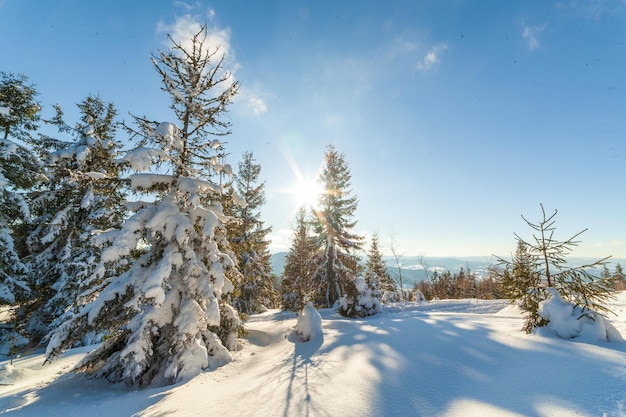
(253, 103)
(432, 57)
(613, 243)
(401, 46)
(184, 27)
(186, 5)
(532, 35)
(280, 240)
(591, 9)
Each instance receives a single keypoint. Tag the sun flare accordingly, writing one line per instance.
(307, 192)
(306, 189)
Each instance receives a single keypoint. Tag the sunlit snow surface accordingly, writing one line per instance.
(443, 358)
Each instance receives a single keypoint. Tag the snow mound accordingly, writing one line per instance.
(512, 310)
(309, 324)
(569, 321)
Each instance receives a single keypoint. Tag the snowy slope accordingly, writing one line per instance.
(444, 358)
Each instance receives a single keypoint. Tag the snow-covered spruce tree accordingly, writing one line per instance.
(361, 299)
(82, 196)
(364, 298)
(542, 264)
(255, 292)
(337, 264)
(20, 171)
(297, 284)
(376, 265)
(166, 316)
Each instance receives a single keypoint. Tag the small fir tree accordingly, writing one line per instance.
(364, 297)
(376, 265)
(542, 264)
(521, 284)
(297, 286)
(168, 316)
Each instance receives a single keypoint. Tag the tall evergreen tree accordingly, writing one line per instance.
(82, 196)
(248, 241)
(166, 316)
(20, 171)
(297, 284)
(338, 262)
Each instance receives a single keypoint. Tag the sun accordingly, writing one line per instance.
(306, 188)
(307, 192)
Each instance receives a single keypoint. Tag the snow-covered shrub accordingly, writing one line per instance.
(419, 296)
(360, 301)
(569, 321)
(390, 297)
(309, 324)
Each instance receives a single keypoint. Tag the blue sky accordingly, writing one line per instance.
(455, 117)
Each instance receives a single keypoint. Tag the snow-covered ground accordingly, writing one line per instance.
(442, 358)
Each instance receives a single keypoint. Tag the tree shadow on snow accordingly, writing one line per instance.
(303, 361)
(447, 364)
(76, 393)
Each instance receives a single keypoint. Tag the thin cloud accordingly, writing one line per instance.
(185, 5)
(253, 103)
(591, 9)
(218, 39)
(613, 243)
(532, 34)
(280, 241)
(402, 46)
(432, 57)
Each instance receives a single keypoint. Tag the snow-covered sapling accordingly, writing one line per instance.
(309, 324)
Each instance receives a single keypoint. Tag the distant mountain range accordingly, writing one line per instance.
(412, 270)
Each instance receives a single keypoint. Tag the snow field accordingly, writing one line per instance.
(443, 358)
